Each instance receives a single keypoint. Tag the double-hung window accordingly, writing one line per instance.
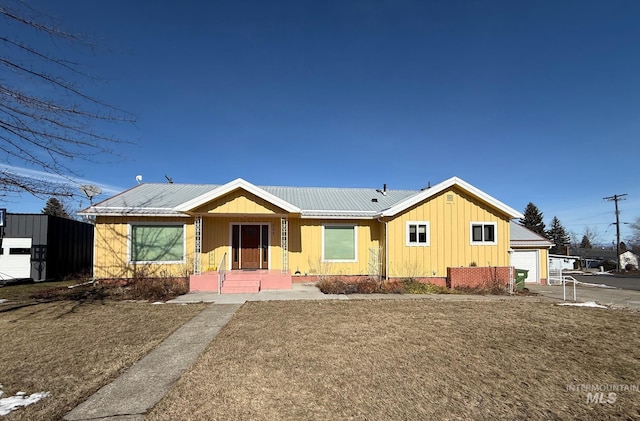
(417, 233)
(483, 233)
(161, 243)
(339, 243)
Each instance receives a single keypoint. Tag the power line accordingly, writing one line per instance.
(615, 198)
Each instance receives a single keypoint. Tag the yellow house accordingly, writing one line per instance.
(276, 235)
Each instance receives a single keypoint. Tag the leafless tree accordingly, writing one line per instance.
(47, 120)
(634, 239)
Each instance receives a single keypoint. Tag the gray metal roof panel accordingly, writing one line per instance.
(523, 237)
(338, 199)
(323, 201)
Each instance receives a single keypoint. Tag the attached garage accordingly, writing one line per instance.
(527, 260)
(530, 252)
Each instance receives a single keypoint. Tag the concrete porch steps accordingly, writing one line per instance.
(240, 286)
(241, 281)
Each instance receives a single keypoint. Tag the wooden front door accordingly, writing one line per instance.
(250, 246)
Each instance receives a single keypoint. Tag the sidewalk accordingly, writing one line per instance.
(611, 297)
(297, 292)
(138, 389)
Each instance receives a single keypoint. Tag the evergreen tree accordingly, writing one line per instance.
(585, 243)
(55, 208)
(533, 219)
(559, 236)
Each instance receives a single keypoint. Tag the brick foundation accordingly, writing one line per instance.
(478, 277)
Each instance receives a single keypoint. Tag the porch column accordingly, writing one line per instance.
(284, 244)
(197, 248)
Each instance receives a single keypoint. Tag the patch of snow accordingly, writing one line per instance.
(158, 302)
(596, 285)
(2, 300)
(587, 304)
(21, 399)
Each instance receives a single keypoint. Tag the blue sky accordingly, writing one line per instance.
(529, 101)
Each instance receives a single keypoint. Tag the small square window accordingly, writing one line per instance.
(417, 233)
(483, 233)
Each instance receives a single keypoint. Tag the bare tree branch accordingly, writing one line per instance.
(47, 120)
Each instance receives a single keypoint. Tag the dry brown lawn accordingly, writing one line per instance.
(71, 349)
(413, 360)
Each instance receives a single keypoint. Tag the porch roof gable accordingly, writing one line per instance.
(234, 185)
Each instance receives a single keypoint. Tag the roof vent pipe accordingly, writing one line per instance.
(384, 189)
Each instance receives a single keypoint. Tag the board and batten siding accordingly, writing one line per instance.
(305, 247)
(450, 215)
(111, 249)
(239, 202)
(216, 239)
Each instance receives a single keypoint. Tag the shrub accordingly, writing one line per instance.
(150, 289)
(373, 286)
(392, 287)
(157, 289)
(492, 287)
(411, 286)
(334, 286)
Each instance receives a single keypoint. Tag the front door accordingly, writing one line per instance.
(250, 246)
(250, 241)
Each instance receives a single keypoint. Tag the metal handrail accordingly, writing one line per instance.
(222, 272)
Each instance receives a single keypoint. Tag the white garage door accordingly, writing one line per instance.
(15, 258)
(528, 260)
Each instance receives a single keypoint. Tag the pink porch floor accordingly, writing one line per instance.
(241, 281)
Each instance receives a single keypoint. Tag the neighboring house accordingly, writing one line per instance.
(274, 233)
(628, 260)
(560, 262)
(529, 252)
(596, 257)
(42, 247)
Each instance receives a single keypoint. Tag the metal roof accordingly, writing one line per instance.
(167, 199)
(523, 237)
(162, 199)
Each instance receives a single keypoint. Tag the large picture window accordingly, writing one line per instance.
(339, 243)
(483, 233)
(157, 243)
(417, 233)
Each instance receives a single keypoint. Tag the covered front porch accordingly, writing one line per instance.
(240, 254)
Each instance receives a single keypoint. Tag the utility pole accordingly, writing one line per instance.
(615, 198)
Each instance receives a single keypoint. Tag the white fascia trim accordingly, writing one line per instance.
(238, 183)
(453, 181)
(121, 211)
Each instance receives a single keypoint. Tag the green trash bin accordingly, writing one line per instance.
(521, 275)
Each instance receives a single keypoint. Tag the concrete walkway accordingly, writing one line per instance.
(138, 389)
(611, 297)
(297, 292)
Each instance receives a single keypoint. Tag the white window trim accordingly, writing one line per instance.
(166, 262)
(355, 239)
(417, 244)
(483, 243)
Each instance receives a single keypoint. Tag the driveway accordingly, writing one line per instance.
(612, 297)
(618, 281)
